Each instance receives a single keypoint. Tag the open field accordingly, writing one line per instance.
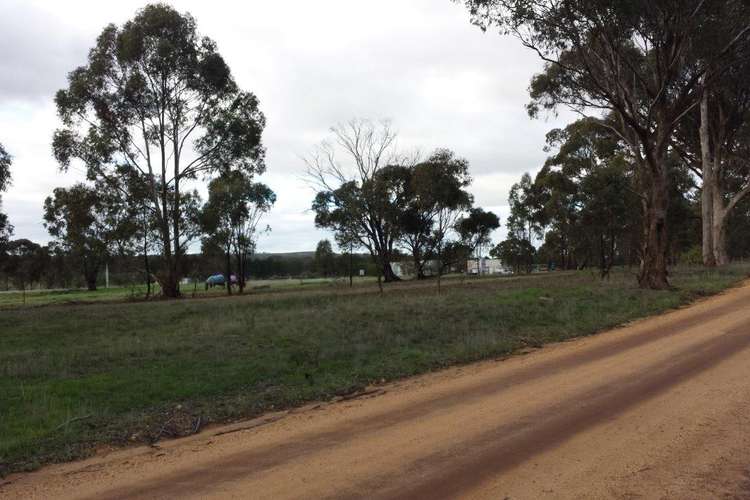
(42, 297)
(73, 377)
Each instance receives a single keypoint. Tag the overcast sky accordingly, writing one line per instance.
(419, 63)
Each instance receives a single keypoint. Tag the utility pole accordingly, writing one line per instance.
(351, 268)
(106, 275)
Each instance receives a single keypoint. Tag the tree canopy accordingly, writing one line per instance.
(157, 101)
(645, 63)
(230, 218)
(361, 181)
(436, 197)
(325, 259)
(91, 224)
(475, 229)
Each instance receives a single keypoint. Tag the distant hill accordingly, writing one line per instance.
(284, 255)
(294, 255)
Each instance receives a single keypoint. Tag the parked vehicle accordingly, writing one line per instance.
(220, 280)
(215, 280)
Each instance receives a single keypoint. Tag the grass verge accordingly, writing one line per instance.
(73, 377)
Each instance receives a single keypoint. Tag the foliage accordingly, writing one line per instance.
(324, 258)
(587, 197)
(643, 62)
(157, 102)
(230, 219)
(91, 224)
(24, 262)
(475, 230)
(6, 230)
(515, 252)
(714, 141)
(523, 221)
(585, 202)
(362, 199)
(436, 196)
(5, 163)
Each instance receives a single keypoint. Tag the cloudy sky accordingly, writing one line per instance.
(419, 63)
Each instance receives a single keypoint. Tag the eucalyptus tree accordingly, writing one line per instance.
(475, 231)
(147, 232)
(586, 195)
(156, 100)
(714, 141)
(91, 224)
(635, 60)
(435, 199)
(230, 219)
(518, 253)
(325, 259)
(25, 263)
(525, 214)
(256, 201)
(361, 182)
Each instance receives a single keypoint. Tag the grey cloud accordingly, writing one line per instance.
(36, 54)
(443, 83)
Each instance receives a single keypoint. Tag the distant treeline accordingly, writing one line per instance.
(37, 267)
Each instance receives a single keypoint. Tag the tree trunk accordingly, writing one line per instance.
(228, 277)
(146, 266)
(241, 275)
(708, 187)
(381, 252)
(170, 282)
(351, 265)
(90, 273)
(175, 270)
(387, 272)
(168, 279)
(383, 261)
(707, 225)
(418, 265)
(439, 270)
(719, 234)
(655, 245)
(148, 275)
(380, 280)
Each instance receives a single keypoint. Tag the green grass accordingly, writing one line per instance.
(76, 376)
(42, 297)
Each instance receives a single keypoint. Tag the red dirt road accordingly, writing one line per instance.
(657, 409)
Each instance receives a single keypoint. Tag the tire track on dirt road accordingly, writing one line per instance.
(449, 476)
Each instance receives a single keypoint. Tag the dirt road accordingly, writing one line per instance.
(657, 409)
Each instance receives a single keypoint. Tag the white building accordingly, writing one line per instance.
(486, 266)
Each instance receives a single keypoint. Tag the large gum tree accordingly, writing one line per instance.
(637, 61)
(157, 102)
